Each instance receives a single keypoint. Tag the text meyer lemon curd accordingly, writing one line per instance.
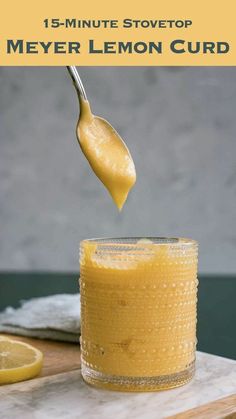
(106, 153)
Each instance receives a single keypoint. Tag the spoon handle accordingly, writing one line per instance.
(77, 81)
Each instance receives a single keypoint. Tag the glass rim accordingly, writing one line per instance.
(142, 240)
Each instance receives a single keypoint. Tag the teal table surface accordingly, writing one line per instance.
(216, 303)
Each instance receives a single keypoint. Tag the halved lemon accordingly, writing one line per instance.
(18, 361)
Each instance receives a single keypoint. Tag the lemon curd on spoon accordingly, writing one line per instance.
(106, 153)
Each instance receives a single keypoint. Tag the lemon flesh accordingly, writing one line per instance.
(18, 361)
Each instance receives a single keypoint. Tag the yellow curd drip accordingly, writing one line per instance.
(106, 153)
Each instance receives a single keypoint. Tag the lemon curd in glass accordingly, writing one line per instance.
(138, 312)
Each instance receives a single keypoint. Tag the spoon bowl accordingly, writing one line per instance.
(104, 149)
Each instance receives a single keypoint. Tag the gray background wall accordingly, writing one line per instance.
(180, 126)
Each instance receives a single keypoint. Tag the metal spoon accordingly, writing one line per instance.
(104, 149)
(77, 81)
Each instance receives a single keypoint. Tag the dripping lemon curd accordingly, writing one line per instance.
(106, 153)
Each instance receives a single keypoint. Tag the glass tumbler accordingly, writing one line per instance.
(138, 312)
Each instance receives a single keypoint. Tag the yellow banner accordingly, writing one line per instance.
(122, 33)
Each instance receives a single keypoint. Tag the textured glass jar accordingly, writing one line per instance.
(138, 312)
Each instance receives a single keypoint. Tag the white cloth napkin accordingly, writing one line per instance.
(56, 317)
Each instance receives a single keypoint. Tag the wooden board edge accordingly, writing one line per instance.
(224, 408)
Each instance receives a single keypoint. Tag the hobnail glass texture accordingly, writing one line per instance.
(138, 312)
